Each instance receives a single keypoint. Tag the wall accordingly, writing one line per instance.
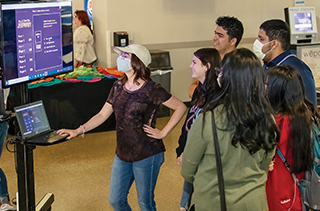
(179, 26)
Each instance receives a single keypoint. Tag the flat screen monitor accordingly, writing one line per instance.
(36, 40)
(302, 23)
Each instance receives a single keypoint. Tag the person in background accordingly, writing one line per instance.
(4, 126)
(227, 36)
(140, 149)
(83, 41)
(247, 135)
(272, 46)
(294, 116)
(204, 65)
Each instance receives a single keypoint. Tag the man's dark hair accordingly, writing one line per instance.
(233, 27)
(277, 29)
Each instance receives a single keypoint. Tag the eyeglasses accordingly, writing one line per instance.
(124, 54)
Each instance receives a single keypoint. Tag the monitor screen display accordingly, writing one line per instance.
(303, 21)
(36, 40)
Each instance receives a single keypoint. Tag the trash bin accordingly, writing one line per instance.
(161, 73)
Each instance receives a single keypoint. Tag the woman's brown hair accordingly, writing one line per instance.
(84, 18)
(139, 69)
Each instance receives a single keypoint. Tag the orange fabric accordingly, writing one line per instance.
(43, 80)
(110, 71)
(192, 87)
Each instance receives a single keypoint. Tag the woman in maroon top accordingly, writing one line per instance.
(294, 117)
(140, 151)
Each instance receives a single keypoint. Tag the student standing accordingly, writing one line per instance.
(295, 116)
(83, 39)
(272, 46)
(140, 149)
(4, 126)
(204, 66)
(247, 135)
(227, 36)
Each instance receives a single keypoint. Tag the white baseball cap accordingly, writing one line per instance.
(139, 50)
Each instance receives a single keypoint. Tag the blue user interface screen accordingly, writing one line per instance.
(32, 119)
(39, 47)
(33, 40)
(303, 21)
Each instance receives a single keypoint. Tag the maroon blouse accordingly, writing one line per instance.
(132, 110)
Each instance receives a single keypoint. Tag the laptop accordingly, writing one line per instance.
(34, 125)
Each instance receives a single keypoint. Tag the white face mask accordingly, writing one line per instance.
(257, 49)
(123, 64)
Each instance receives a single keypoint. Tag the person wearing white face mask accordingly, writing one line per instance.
(140, 150)
(272, 46)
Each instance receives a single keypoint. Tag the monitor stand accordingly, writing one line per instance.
(25, 171)
(45, 203)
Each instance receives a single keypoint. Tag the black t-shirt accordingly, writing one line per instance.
(132, 110)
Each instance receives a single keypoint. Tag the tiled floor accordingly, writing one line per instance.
(77, 172)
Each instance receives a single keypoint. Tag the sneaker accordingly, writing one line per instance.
(7, 207)
(181, 209)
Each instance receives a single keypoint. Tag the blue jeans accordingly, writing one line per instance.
(4, 196)
(144, 173)
(186, 193)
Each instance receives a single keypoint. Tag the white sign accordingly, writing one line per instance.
(311, 56)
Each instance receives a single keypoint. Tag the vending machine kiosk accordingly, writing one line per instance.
(303, 24)
(304, 37)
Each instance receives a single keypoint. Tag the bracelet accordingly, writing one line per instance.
(83, 131)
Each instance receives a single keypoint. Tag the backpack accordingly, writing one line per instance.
(310, 186)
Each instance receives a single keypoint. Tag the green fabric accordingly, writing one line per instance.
(50, 83)
(244, 174)
(83, 71)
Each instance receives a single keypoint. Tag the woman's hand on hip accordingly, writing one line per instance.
(153, 132)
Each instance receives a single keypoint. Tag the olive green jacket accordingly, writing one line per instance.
(244, 174)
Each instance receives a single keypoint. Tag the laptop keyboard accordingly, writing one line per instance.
(48, 138)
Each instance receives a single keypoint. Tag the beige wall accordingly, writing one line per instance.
(179, 26)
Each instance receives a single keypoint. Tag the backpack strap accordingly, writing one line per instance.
(286, 164)
(223, 206)
(295, 179)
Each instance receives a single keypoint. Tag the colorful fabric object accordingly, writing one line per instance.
(88, 74)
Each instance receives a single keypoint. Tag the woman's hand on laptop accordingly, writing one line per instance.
(71, 133)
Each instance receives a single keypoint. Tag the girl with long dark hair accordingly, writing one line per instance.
(247, 135)
(294, 116)
(205, 63)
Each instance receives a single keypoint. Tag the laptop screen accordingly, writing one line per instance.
(32, 119)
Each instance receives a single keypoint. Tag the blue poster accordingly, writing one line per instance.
(88, 9)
